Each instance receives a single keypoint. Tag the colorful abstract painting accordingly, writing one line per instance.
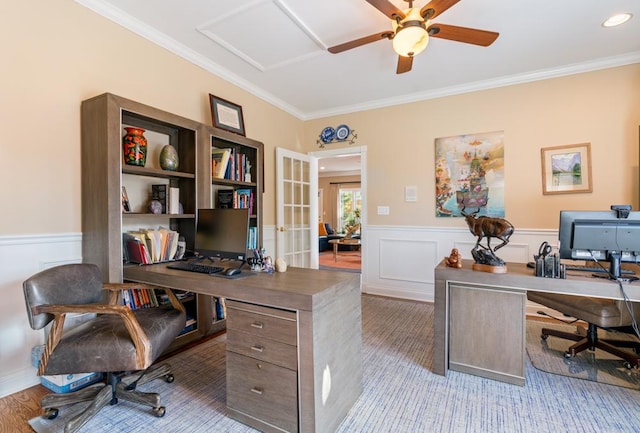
(470, 174)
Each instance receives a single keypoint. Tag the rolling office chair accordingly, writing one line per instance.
(598, 313)
(115, 341)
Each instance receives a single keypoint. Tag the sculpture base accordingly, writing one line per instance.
(489, 268)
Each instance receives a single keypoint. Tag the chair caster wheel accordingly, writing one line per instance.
(51, 413)
(544, 336)
(628, 365)
(568, 355)
(169, 378)
(159, 411)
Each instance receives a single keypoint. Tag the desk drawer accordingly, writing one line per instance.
(272, 323)
(263, 390)
(263, 349)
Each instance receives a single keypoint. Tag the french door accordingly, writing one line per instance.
(297, 208)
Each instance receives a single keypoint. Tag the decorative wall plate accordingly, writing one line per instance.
(342, 132)
(327, 134)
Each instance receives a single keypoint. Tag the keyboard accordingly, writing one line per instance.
(596, 268)
(196, 267)
(585, 268)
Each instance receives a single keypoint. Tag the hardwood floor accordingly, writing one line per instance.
(16, 409)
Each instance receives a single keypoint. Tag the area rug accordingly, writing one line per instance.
(348, 261)
(400, 393)
(598, 366)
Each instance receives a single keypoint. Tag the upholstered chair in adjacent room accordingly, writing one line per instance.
(115, 340)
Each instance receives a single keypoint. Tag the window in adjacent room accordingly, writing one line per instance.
(349, 207)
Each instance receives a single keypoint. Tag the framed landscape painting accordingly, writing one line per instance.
(566, 169)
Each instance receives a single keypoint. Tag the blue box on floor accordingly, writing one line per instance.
(63, 383)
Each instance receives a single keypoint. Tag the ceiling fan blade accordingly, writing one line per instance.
(437, 6)
(362, 41)
(404, 64)
(463, 34)
(387, 8)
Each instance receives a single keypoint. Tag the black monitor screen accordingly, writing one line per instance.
(600, 235)
(222, 233)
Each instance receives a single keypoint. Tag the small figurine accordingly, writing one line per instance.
(281, 265)
(454, 260)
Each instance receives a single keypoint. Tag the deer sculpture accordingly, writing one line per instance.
(488, 227)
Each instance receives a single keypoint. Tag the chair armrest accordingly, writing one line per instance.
(138, 336)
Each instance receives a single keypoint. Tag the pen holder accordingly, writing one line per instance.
(549, 266)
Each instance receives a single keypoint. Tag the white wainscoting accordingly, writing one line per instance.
(21, 257)
(399, 261)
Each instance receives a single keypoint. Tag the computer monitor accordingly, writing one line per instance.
(222, 233)
(612, 236)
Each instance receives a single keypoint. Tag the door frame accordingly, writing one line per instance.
(362, 151)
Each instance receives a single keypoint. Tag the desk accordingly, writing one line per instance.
(326, 307)
(337, 242)
(479, 317)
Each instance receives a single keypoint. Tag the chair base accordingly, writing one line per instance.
(101, 394)
(588, 339)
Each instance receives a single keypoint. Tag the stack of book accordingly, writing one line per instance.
(230, 164)
(139, 298)
(148, 246)
(237, 199)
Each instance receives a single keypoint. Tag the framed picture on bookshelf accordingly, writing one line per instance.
(226, 115)
(566, 169)
(126, 207)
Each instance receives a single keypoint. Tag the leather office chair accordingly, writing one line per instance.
(598, 313)
(115, 341)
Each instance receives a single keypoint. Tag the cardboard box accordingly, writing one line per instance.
(63, 383)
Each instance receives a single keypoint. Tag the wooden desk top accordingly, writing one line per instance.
(295, 289)
(519, 277)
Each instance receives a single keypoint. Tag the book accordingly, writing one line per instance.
(173, 203)
(219, 162)
(245, 199)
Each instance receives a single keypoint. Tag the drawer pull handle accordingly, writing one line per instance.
(257, 325)
(257, 390)
(257, 348)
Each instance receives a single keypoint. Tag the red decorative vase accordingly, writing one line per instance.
(134, 147)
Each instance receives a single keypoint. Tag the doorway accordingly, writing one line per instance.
(342, 169)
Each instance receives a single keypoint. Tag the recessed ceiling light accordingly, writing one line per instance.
(323, 168)
(617, 19)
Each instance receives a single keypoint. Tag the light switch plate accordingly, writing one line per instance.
(410, 193)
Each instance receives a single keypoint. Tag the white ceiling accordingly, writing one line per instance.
(276, 49)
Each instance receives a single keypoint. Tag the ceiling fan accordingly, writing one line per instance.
(411, 29)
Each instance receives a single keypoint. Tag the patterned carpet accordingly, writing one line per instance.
(400, 394)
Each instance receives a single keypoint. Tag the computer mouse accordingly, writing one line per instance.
(232, 271)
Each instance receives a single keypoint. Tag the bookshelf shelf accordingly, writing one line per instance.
(246, 157)
(104, 174)
(155, 172)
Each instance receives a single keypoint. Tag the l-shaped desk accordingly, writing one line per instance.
(480, 317)
(296, 343)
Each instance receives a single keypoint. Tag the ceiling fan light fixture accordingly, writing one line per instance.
(411, 37)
